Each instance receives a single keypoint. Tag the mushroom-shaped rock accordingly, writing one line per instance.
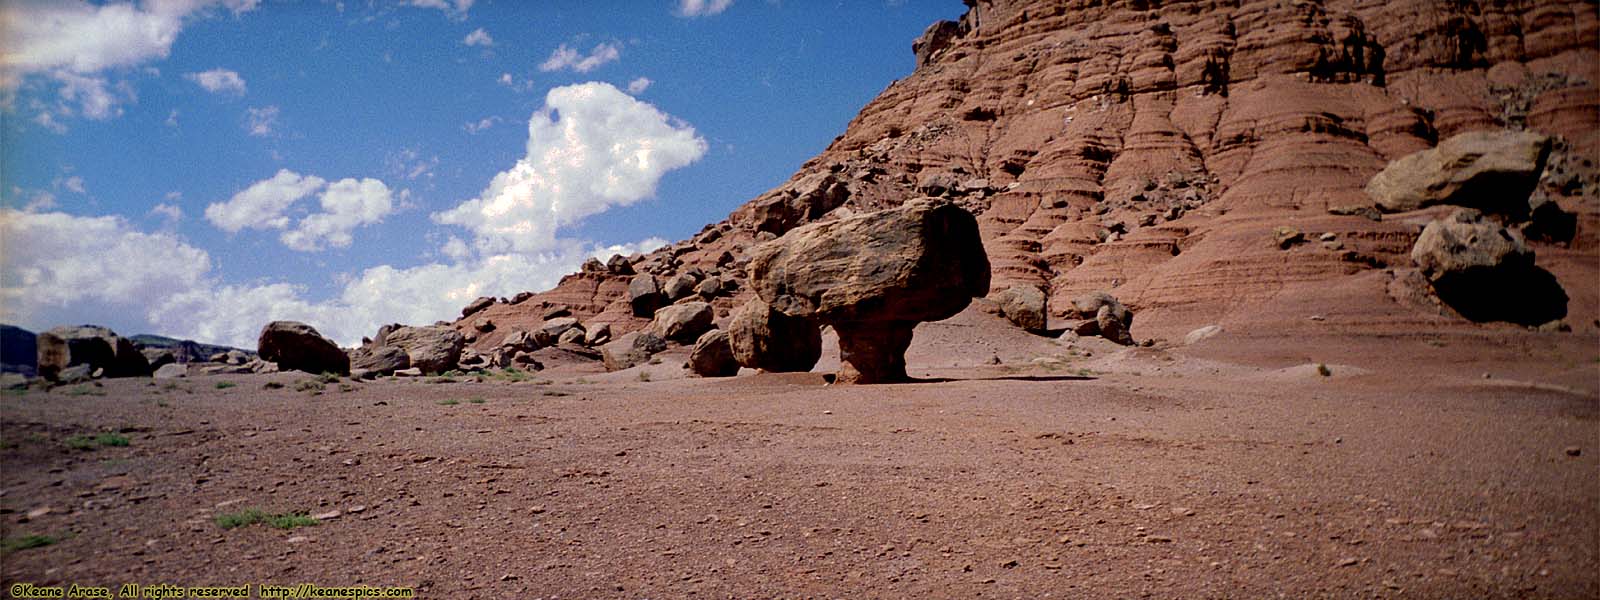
(298, 346)
(1494, 171)
(682, 323)
(765, 339)
(631, 349)
(1486, 272)
(712, 355)
(99, 348)
(873, 277)
(645, 295)
(433, 348)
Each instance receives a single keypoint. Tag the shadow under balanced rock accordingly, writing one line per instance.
(873, 277)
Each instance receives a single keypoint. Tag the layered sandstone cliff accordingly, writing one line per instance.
(1152, 149)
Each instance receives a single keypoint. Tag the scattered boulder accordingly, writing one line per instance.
(1104, 316)
(1493, 171)
(477, 305)
(383, 360)
(597, 335)
(553, 328)
(765, 339)
(99, 348)
(432, 348)
(631, 349)
(1024, 305)
(619, 265)
(521, 297)
(571, 336)
(682, 323)
(556, 312)
(520, 340)
(158, 357)
(593, 265)
(873, 277)
(235, 357)
(298, 346)
(1286, 237)
(709, 287)
(712, 355)
(644, 295)
(1486, 272)
(1201, 334)
(484, 326)
(77, 374)
(678, 287)
(172, 371)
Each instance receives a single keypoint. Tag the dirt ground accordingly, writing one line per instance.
(1426, 466)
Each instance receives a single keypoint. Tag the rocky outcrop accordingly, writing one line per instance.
(768, 340)
(712, 356)
(433, 348)
(630, 350)
(645, 295)
(477, 305)
(1492, 171)
(298, 346)
(873, 277)
(1486, 272)
(102, 350)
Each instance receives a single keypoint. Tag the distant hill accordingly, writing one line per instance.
(183, 350)
(19, 353)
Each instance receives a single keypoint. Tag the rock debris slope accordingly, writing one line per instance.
(1205, 162)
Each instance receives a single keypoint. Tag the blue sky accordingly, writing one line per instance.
(200, 167)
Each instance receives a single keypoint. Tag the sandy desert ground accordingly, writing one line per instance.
(1438, 465)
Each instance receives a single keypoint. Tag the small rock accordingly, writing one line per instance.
(1349, 562)
(332, 514)
(1571, 451)
(298, 539)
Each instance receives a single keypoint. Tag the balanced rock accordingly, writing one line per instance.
(765, 339)
(298, 346)
(873, 277)
(631, 349)
(1486, 272)
(432, 348)
(1494, 171)
(682, 323)
(1024, 305)
(712, 355)
(644, 295)
(99, 348)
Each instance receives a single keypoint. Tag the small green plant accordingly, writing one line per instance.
(15, 391)
(1323, 370)
(252, 516)
(91, 442)
(476, 400)
(310, 386)
(449, 402)
(328, 378)
(84, 390)
(222, 385)
(25, 542)
(272, 385)
(644, 376)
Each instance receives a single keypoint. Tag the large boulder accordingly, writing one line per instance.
(1024, 305)
(712, 355)
(679, 286)
(97, 347)
(631, 349)
(1494, 171)
(1486, 271)
(644, 295)
(682, 323)
(383, 360)
(553, 328)
(298, 346)
(432, 348)
(765, 339)
(873, 277)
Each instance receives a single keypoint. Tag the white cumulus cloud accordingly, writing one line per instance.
(590, 148)
(260, 121)
(565, 57)
(702, 8)
(262, 205)
(346, 205)
(478, 37)
(218, 81)
(456, 10)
